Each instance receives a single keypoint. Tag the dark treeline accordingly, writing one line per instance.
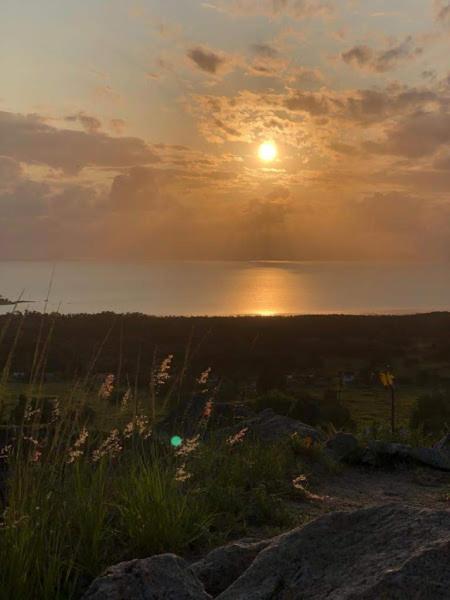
(232, 347)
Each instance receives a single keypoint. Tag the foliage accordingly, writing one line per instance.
(308, 409)
(432, 413)
(79, 499)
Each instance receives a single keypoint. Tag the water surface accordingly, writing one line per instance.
(229, 288)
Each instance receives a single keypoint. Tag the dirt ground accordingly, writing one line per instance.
(355, 488)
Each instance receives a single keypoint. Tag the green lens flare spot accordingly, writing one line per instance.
(176, 441)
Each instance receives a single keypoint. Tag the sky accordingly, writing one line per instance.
(129, 130)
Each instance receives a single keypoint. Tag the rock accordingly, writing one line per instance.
(392, 551)
(444, 444)
(379, 453)
(267, 426)
(344, 447)
(164, 577)
(432, 457)
(221, 567)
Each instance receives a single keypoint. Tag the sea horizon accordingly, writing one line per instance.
(227, 288)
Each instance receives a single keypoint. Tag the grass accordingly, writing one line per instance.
(89, 488)
(78, 502)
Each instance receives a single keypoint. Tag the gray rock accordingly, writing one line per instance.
(378, 453)
(221, 567)
(444, 444)
(164, 577)
(267, 426)
(432, 457)
(393, 552)
(344, 446)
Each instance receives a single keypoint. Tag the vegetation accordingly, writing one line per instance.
(88, 474)
(431, 412)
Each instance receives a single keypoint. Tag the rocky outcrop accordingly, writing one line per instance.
(221, 567)
(164, 577)
(267, 426)
(392, 551)
(379, 453)
(344, 447)
(384, 552)
(444, 444)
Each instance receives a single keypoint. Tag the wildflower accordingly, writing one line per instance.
(203, 379)
(141, 425)
(111, 447)
(30, 413)
(107, 387)
(34, 441)
(162, 376)
(127, 397)
(56, 411)
(5, 452)
(36, 456)
(181, 474)
(207, 411)
(238, 438)
(76, 451)
(188, 446)
(300, 482)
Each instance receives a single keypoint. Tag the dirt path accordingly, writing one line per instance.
(358, 488)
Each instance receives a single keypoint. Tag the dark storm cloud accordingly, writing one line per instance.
(381, 61)
(29, 139)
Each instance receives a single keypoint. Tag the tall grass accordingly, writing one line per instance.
(94, 484)
(63, 522)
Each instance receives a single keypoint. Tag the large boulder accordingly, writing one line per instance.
(221, 567)
(444, 444)
(164, 577)
(393, 551)
(267, 426)
(379, 453)
(344, 447)
(390, 552)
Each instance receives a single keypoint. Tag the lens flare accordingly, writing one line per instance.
(176, 441)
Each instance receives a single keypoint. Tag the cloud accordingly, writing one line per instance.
(117, 126)
(265, 50)
(10, 172)
(209, 61)
(381, 61)
(284, 115)
(29, 139)
(89, 123)
(442, 11)
(297, 9)
(135, 190)
(418, 135)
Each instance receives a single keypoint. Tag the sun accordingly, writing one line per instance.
(268, 151)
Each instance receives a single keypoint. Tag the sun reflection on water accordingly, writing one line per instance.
(265, 291)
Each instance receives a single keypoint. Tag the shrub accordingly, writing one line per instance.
(308, 409)
(431, 413)
(333, 411)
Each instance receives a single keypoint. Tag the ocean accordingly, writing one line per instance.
(227, 288)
